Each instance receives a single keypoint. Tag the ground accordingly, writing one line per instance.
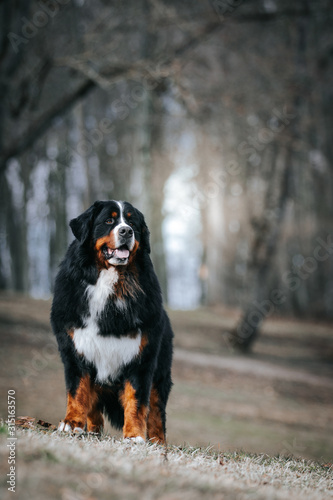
(56, 467)
(277, 401)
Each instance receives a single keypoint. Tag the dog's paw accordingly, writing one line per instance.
(134, 440)
(78, 430)
(66, 427)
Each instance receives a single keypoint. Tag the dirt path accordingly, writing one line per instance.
(253, 367)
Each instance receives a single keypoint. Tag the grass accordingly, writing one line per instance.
(3, 429)
(58, 466)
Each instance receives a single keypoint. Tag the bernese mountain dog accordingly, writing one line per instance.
(114, 337)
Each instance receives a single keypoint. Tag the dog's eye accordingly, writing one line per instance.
(109, 221)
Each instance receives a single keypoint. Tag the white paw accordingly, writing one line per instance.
(78, 430)
(62, 427)
(135, 440)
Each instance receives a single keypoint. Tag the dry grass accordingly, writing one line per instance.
(65, 467)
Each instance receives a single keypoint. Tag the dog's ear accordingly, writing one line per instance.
(145, 234)
(145, 237)
(82, 225)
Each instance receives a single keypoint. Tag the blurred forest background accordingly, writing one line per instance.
(213, 117)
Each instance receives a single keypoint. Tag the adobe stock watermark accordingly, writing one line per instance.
(86, 487)
(251, 148)
(11, 440)
(292, 280)
(39, 359)
(293, 449)
(213, 188)
(121, 109)
(91, 139)
(255, 144)
(40, 18)
(94, 137)
(225, 7)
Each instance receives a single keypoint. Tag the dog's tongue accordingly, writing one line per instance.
(121, 254)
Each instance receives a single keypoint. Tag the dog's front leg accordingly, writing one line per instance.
(79, 403)
(135, 414)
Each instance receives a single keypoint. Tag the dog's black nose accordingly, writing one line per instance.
(126, 231)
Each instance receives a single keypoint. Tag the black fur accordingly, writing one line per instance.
(144, 311)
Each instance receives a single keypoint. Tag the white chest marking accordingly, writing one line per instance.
(108, 354)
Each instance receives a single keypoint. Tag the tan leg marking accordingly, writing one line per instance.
(155, 425)
(95, 419)
(82, 408)
(135, 418)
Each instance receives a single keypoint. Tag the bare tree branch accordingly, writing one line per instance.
(158, 68)
(44, 122)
